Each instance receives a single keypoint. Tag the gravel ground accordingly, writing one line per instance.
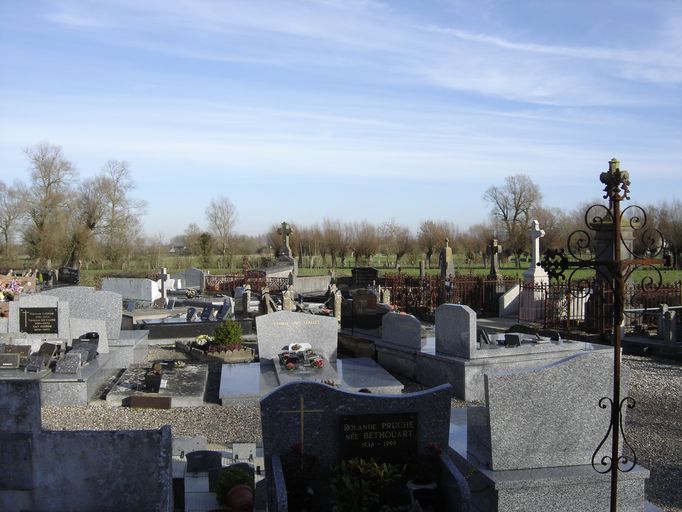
(653, 427)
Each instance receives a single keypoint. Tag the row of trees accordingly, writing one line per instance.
(60, 219)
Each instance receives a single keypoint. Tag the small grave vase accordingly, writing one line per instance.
(240, 498)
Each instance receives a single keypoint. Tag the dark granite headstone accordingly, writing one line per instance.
(203, 460)
(152, 382)
(69, 363)
(68, 275)
(88, 347)
(16, 465)
(36, 363)
(206, 313)
(9, 361)
(23, 350)
(48, 350)
(364, 276)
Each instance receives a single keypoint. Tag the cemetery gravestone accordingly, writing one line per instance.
(203, 460)
(455, 330)
(330, 425)
(22, 351)
(87, 303)
(9, 361)
(401, 330)
(364, 276)
(278, 330)
(364, 302)
(36, 363)
(69, 363)
(445, 261)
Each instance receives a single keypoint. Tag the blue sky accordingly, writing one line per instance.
(356, 110)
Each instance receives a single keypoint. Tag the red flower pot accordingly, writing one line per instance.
(240, 498)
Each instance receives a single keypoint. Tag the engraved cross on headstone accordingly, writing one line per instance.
(302, 411)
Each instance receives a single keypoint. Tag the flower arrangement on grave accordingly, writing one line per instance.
(366, 484)
(10, 290)
(300, 355)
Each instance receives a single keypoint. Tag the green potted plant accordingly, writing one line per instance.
(235, 489)
(227, 343)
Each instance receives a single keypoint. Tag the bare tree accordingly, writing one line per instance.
(12, 211)
(397, 239)
(477, 241)
(432, 235)
(221, 215)
(365, 241)
(121, 212)
(512, 206)
(51, 179)
(192, 234)
(88, 210)
(333, 238)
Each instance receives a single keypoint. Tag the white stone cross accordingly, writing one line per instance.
(535, 234)
(534, 273)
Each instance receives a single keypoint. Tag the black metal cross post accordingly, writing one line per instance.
(614, 270)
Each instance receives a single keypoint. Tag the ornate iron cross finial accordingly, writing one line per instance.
(617, 182)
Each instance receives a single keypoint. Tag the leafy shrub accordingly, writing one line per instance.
(228, 333)
(228, 478)
(365, 484)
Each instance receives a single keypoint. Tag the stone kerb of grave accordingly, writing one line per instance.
(544, 417)
(403, 331)
(455, 330)
(332, 425)
(278, 330)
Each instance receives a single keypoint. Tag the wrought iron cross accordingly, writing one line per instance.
(614, 270)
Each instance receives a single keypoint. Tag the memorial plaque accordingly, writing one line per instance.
(36, 363)
(9, 361)
(386, 437)
(69, 363)
(22, 350)
(150, 402)
(38, 320)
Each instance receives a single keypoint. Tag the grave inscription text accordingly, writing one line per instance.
(38, 320)
(386, 437)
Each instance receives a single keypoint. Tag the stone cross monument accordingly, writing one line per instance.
(535, 274)
(284, 255)
(445, 263)
(494, 251)
(285, 230)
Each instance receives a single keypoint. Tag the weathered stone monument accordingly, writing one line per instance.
(532, 444)
(535, 274)
(77, 470)
(284, 254)
(446, 263)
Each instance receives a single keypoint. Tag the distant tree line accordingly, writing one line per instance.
(55, 218)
